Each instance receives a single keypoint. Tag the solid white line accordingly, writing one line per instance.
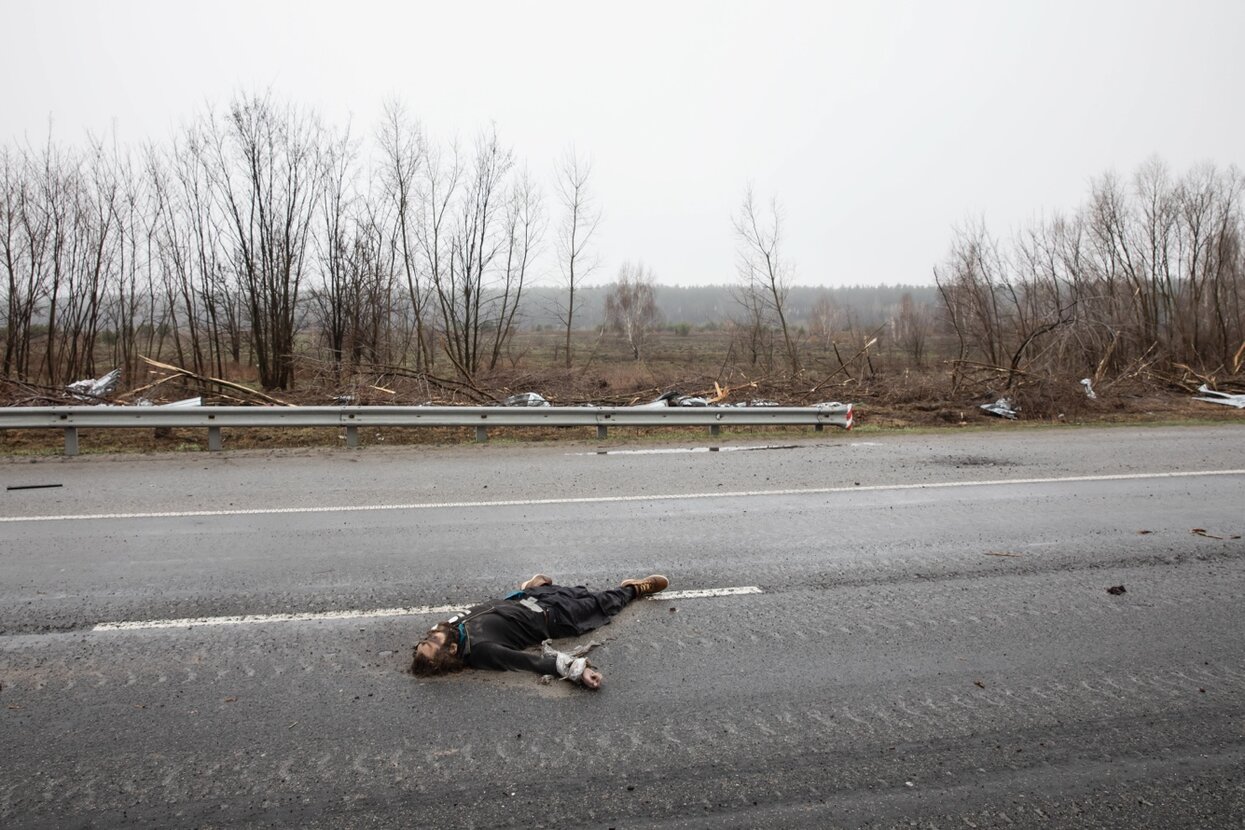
(809, 491)
(269, 618)
(249, 619)
(676, 450)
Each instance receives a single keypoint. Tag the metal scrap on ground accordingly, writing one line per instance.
(95, 387)
(1002, 407)
(526, 399)
(1224, 398)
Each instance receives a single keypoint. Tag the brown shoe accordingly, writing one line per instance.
(536, 581)
(647, 585)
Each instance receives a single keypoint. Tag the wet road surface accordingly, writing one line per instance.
(926, 645)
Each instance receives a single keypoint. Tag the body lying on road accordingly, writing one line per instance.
(497, 634)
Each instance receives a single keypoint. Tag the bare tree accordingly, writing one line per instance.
(465, 296)
(524, 229)
(268, 172)
(824, 320)
(403, 146)
(437, 190)
(910, 327)
(580, 219)
(336, 296)
(631, 306)
(24, 233)
(764, 273)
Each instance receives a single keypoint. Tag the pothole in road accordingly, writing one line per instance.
(975, 461)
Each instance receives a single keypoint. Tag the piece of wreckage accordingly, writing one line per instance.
(1002, 407)
(678, 399)
(1225, 398)
(95, 388)
(526, 399)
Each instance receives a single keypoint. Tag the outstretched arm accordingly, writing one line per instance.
(501, 658)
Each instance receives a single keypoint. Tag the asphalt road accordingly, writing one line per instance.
(932, 643)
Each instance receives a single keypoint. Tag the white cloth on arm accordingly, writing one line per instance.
(572, 668)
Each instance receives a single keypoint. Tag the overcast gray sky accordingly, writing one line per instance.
(879, 126)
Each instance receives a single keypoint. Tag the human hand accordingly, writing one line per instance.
(591, 679)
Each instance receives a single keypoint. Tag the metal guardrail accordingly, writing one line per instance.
(216, 418)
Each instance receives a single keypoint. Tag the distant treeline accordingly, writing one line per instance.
(868, 306)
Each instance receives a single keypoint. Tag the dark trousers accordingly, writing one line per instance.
(575, 611)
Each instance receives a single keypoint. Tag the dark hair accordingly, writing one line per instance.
(443, 661)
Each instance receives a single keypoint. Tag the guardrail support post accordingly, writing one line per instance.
(214, 442)
(715, 429)
(352, 436)
(602, 432)
(819, 428)
(481, 435)
(71, 440)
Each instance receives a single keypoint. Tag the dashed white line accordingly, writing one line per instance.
(708, 592)
(415, 611)
(807, 491)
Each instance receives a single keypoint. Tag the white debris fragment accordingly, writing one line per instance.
(1219, 397)
(95, 387)
(1002, 407)
(526, 399)
(1089, 389)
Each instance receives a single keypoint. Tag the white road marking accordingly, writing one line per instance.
(708, 592)
(808, 491)
(675, 450)
(248, 619)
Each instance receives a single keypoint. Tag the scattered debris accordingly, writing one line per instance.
(1089, 389)
(32, 486)
(744, 404)
(1144, 532)
(1219, 397)
(979, 684)
(526, 399)
(99, 387)
(674, 398)
(1116, 590)
(345, 400)
(231, 699)
(1201, 531)
(178, 371)
(1002, 407)
(1001, 553)
(184, 403)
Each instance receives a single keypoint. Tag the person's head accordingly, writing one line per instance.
(437, 653)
